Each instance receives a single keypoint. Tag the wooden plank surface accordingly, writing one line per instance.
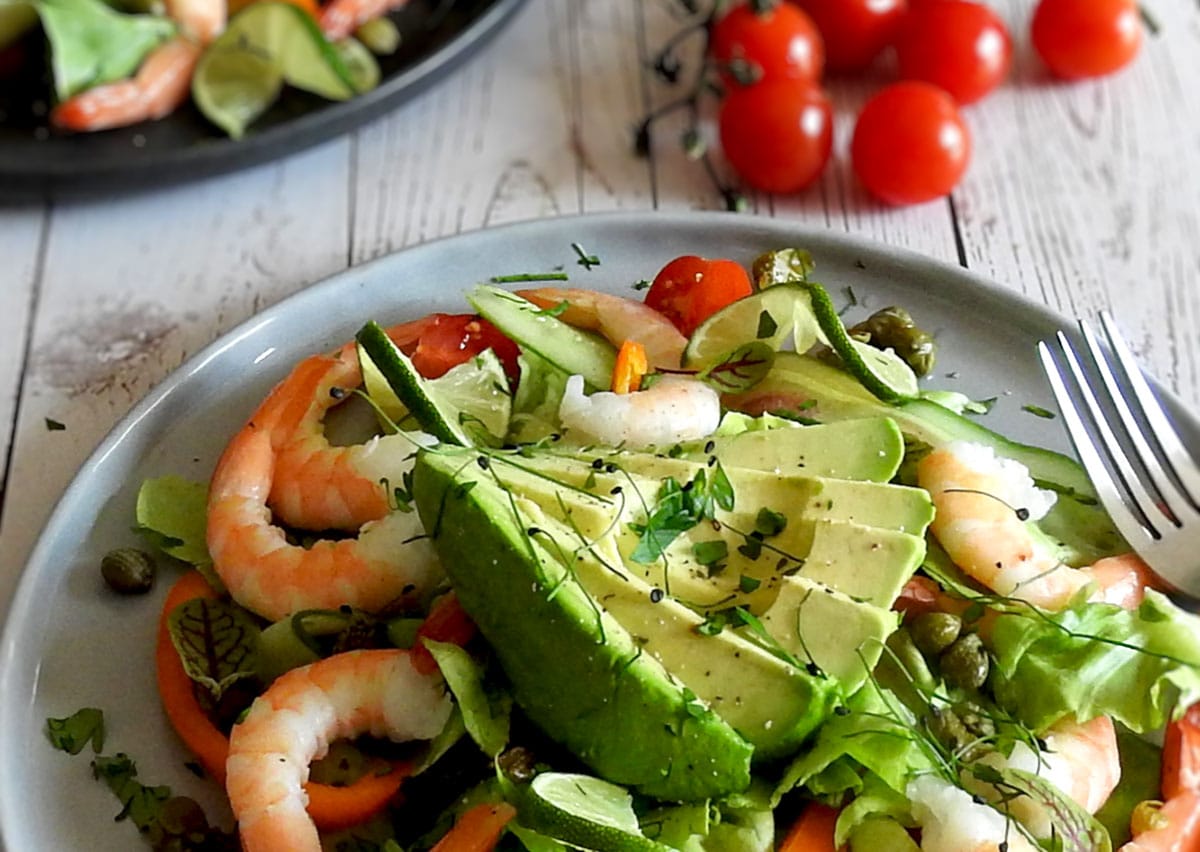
(1078, 196)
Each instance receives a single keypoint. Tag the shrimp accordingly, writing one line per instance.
(617, 319)
(319, 486)
(671, 410)
(261, 569)
(951, 821)
(159, 86)
(340, 18)
(983, 503)
(375, 692)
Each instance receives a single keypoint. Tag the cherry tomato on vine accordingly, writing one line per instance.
(959, 45)
(910, 143)
(854, 31)
(766, 40)
(447, 340)
(1086, 38)
(690, 289)
(777, 134)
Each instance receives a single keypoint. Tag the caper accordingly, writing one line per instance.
(965, 662)
(893, 328)
(1148, 816)
(519, 764)
(128, 570)
(783, 266)
(934, 632)
(975, 720)
(948, 729)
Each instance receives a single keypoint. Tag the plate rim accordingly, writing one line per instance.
(15, 672)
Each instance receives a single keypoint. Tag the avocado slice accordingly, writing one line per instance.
(575, 670)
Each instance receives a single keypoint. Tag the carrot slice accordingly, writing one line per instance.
(631, 366)
(813, 832)
(478, 830)
(331, 808)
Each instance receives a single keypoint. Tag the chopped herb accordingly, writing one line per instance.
(769, 522)
(762, 638)
(709, 553)
(713, 624)
(748, 584)
(554, 311)
(77, 730)
(693, 705)
(752, 548)
(587, 261)
(142, 805)
(679, 508)
(983, 406)
(53, 425)
(641, 284)
(1038, 411)
(525, 277)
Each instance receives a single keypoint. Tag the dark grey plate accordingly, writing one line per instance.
(36, 160)
(68, 643)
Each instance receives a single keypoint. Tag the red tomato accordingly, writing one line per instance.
(1086, 38)
(779, 42)
(777, 134)
(854, 31)
(910, 143)
(959, 45)
(690, 289)
(451, 339)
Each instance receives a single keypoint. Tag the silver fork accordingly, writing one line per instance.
(1144, 476)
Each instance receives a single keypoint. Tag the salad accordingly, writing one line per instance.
(708, 571)
(114, 64)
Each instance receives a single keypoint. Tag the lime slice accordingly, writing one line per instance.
(264, 46)
(470, 405)
(804, 313)
(585, 812)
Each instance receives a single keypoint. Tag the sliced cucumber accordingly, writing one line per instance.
(537, 330)
(805, 314)
(444, 415)
(829, 394)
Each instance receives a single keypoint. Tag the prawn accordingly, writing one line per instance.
(261, 569)
(952, 821)
(161, 83)
(341, 18)
(983, 504)
(617, 319)
(671, 410)
(377, 692)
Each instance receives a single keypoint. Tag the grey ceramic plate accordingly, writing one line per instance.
(437, 37)
(69, 644)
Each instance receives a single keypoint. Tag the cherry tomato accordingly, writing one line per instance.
(910, 143)
(777, 134)
(690, 289)
(780, 41)
(854, 31)
(959, 45)
(451, 339)
(1086, 38)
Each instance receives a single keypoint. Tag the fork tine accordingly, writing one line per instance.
(1187, 473)
(1112, 495)
(1173, 501)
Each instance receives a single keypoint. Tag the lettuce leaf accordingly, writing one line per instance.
(91, 43)
(486, 715)
(535, 403)
(1092, 659)
(172, 516)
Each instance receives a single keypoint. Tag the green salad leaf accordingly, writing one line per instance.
(172, 516)
(535, 404)
(216, 641)
(1095, 659)
(486, 716)
(92, 43)
(77, 730)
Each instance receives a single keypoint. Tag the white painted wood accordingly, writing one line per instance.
(1084, 196)
(132, 285)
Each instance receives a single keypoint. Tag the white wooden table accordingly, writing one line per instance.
(1079, 196)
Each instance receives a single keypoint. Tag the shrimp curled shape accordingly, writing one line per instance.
(951, 821)
(671, 410)
(617, 319)
(377, 692)
(984, 506)
(263, 571)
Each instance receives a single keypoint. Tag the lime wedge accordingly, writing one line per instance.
(804, 313)
(585, 812)
(470, 405)
(265, 46)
